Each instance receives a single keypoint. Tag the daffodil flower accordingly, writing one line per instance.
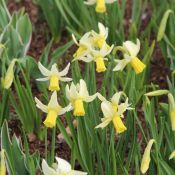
(54, 76)
(172, 110)
(146, 157)
(100, 4)
(53, 109)
(130, 56)
(2, 165)
(113, 112)
(61, 168)
(172, 155)
(77, 95)
(84, 44)
(100, 38)
(9, 76)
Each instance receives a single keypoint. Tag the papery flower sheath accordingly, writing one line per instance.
(53, 109)
(77, 95)
(54, 76)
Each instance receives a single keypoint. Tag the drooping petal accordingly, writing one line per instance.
(65, 109)
(146, 157)
(75, 40)
(43, 70)
(40, 105)
(43, 79)
(105, 122)
(121, 64)
(65, 79)
(90, 98)
(48, 170)
(107, 109)
(101, 98)
(63, 166)
(64, 71)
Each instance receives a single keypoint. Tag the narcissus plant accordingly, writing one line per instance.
(54, 76)
(53, 109)
(77, 95)
(113, 112)
(131, 51)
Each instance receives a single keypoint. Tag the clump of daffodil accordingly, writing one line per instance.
(84, 46)
(146, 157)
(100, 4)
(9, 76)
(54, 76)
(53, 109)
(94, 48)
(130, 51)
(77, 95)
(2, 165)
(172, 110)
(62, 167)
(113, 112)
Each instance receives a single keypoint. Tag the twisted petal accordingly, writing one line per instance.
(47, 170)
(121, 64)
(105, 122)
(65, 109)
(43, 70)
(63, 166)
(75, 40)
(132, 48)
(90, 98)
(65, 71)
(101, 98)
(107, 109)
(41, 106)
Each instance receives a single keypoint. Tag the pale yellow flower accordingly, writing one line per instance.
(9, 76)
(113, 112)
(130, 56)
(54, 76)
(61, 168)
(146, 157)
(172, 110)
(172, 155)
(100, 4)
(53, 109)
(77, 95)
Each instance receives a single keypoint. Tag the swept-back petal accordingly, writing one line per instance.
(104, 123)
(40, 105)
(107, 109)
(64, 71)
(63, 165)
(43, 70)
(48, 170)
(65, 109)
(83, 92)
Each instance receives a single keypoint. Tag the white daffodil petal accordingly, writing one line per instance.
(102, 30)
(90, 2)
(65, 109)
(41, 106)
(43, 70)
(54, 69)
(90, 98)
(110, 1)
(53, 103)
(73, 91)
(74, 172)
(107, 109)
(63, 165)
(65, 79)
(75, 40)
(47, 170)
(116, 97)
(121, 65)
(42, 79)
(101, 98)
(104, 123)
(64, 71)
(83, 92)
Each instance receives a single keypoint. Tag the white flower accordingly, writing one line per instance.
(77, 94)
(85, 44)
(53, 109)
(130, 56)
(63, 168)
(100, 4)
(54, 76)
(113, 111)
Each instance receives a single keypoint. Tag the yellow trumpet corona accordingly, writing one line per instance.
(100, 6)
(54, 83)
(137, 65)
(50, 120)
(79, 108)
(118, 124)
(100, 65)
